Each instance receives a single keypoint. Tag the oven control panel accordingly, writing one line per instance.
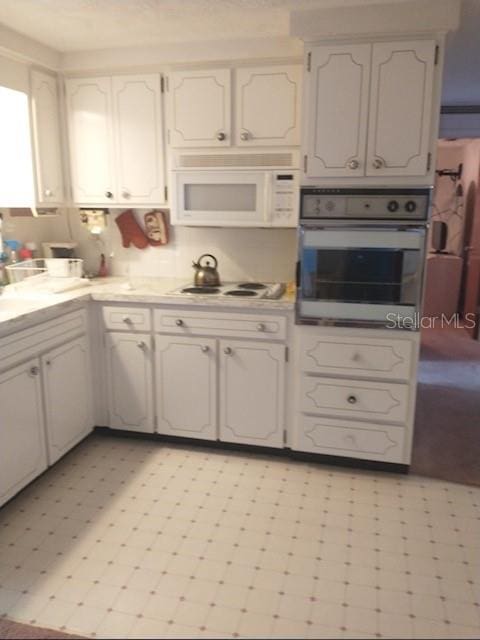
(364, 204)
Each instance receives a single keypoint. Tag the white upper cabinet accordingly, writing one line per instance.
(400, 108)
(90, 128)
(369, 109)
(116, 140)
(337, 107)
(200, 109)
(137, 107)
(268, 106)
(46, 136)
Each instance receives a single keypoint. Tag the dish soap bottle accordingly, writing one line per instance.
(103, 271)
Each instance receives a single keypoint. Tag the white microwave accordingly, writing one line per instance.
(237, 198)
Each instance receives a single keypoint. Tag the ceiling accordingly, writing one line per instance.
(80, 25)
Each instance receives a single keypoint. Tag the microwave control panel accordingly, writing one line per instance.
(285, 198)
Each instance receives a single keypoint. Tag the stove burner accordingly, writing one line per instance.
(240, 293)
(253, 286)
(208, 290)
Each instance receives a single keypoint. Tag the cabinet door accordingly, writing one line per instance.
(68, 396)
(400, 108)
(129, 379)
(90, 128)
(46, 138)
(186, 393)
(200, 108)
(137, 107)
(252, 393)
(337, 103)
(22, 438)
(268, 106)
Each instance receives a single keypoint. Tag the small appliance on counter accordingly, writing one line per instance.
(59, 249)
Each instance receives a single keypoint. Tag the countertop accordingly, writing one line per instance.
(18, 308)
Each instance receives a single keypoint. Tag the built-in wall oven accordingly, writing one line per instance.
(361, 256)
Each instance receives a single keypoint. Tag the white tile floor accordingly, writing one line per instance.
(127, 538)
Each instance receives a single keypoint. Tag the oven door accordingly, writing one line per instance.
(360, 275)
(221, 198)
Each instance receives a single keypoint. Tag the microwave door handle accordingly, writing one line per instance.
(298, 274)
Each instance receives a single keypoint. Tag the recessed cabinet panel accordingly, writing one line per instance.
(337, 110)
(400, 108)
(22, 438)
(355, 399)
(138, 119)
(67, 377)
(90, 125)
(252, 388)
(129, 376)
(200, 108)
(350, 439)
(268, 105)
(46, 132)
(186, 393)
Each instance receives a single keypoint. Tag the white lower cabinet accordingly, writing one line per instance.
(66, 379)
(186, 386)
(355, 392)
(129, 375)
(252, 388)
(23, 453)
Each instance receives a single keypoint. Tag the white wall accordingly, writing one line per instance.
(252, 254)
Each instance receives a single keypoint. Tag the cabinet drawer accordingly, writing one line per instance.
(239, 325)
(42, 337)
(350, 439)
(378, 401)
(127, 318)
(358, 357)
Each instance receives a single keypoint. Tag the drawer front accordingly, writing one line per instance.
(355, 399)
(350, 439)
(356, 357)
(127, 318)
(208, 323)
(24, 344)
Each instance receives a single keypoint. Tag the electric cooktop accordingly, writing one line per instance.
(244, 290)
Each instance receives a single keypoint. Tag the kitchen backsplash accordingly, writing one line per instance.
(251, 254)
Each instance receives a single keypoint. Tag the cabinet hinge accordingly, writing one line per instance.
(305, 163)
(429, 161)
(309, 61)
(437, 53)
(162, 84)
(165, 189)
(287, 354)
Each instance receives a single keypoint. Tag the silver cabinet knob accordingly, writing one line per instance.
(353, 164)
(377, 163)
(141, 345)
(245, 135)
(127, 320)
(352, 400)
(48, 363)
(108, 194)
(47, 193)
(125, 194)
(221, 136)
(205, 348)
(227, 351)
(356, 356)
(34, 371)
(261, 326)
(179, 323)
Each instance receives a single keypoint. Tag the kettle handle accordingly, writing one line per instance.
(208, 255)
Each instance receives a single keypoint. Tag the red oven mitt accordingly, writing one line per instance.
(156, 228)
(131, 231)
